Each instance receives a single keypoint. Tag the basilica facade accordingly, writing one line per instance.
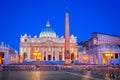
(47, 47)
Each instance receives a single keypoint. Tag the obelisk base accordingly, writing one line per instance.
(67, 62)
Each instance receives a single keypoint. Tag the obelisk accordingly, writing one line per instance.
(67, 40)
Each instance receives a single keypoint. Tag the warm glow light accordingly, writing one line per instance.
(72, 49)
(32, 41)
(35, 54)
(85, 57)
(44, 40)
(109, 54)
(38, 41)
(49, 53)
(39, 58)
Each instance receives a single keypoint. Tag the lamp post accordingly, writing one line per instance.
(108, 54)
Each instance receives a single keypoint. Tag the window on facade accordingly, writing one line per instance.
(49, 57)
(53, 58)
(60, 57)
(116, 55)
(25, 40)
(44, 58)
(44, 55)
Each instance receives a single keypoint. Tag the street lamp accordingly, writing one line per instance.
(109, 54)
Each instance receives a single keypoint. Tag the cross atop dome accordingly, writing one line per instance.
(48, 24)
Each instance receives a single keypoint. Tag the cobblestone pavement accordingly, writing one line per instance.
(44, 75)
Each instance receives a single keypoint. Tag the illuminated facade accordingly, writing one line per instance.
(47, 47)
(100, 49)
(8, 55)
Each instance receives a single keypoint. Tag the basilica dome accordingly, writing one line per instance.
(48, 32)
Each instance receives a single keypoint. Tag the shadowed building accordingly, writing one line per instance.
(100, 49)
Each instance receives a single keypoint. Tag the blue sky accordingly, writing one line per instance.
(18, 17)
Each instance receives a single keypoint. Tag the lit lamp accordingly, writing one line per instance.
(37, 55)
(85, 58)
(109, 54)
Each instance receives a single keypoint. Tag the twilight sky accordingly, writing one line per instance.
(18, 17)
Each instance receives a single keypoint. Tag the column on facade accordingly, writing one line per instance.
(89, 59)
(25, 51)
(94, 58)
(75, 52)
(6, 57)
(42, 52)
(56, 53)
(52, 49)
(21, 54)
(63, 54)
(46, 53)
(28, 54)
(100, 57)
(10, 58)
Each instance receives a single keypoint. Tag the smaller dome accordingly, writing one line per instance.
(48, 32)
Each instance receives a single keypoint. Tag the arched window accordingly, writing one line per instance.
(116, 55)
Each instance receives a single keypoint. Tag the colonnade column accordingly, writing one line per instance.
(99, 57)
(63, 54)
(56, 53)
(21, 54)
(46, 54)
(28, 54)
(6, 57)
(89, 59)
(52, 53)
(42, 53)
(94, 58)
(76, 55)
